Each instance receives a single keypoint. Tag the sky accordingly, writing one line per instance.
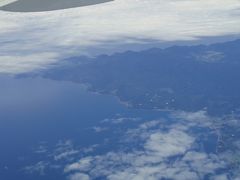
(31, 41)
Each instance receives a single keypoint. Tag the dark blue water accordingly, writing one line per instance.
(35, 111)
(41, 119)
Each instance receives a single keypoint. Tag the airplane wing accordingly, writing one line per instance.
(44, 5)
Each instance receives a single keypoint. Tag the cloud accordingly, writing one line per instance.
(80, 31)
(210, 57)
(98, 129)
(203, 162)
(165, 152)
(5, 2)
(41, 149)
(66, 154)
(79, 176)
(120, 120)
(64, 151)
(200, 118)
(175, 142)
(171, 148)
(39, 168)
(25, 63)
(83, 165)
(220, 177)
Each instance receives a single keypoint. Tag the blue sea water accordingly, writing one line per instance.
(41, 120)
(35, 111)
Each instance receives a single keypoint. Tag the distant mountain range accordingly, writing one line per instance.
(189, 78)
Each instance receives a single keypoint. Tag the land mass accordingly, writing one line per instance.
(190, 78)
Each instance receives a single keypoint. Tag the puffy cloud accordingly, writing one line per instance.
(83, 30)
(174, 142)
(203, 162)
(83, 165)
(201, 118)
(171, 148)
(79, 176)
(99, 129)
(166, 152)
(220, 177)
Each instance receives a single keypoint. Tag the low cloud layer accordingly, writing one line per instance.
(168, 152)
(49, 36)
(173, 148)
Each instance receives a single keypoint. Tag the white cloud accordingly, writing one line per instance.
(203, 162)
(79, 176)
(39, 168)
(81, 30)
(64, 151)
(99, 129)
(120, 120)
(210, 57)
(83, 165)
(66, 154)
(220, 177)
(25, 63)
(171, 148)
(166, 152)
(168, 144)
(201, 118)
